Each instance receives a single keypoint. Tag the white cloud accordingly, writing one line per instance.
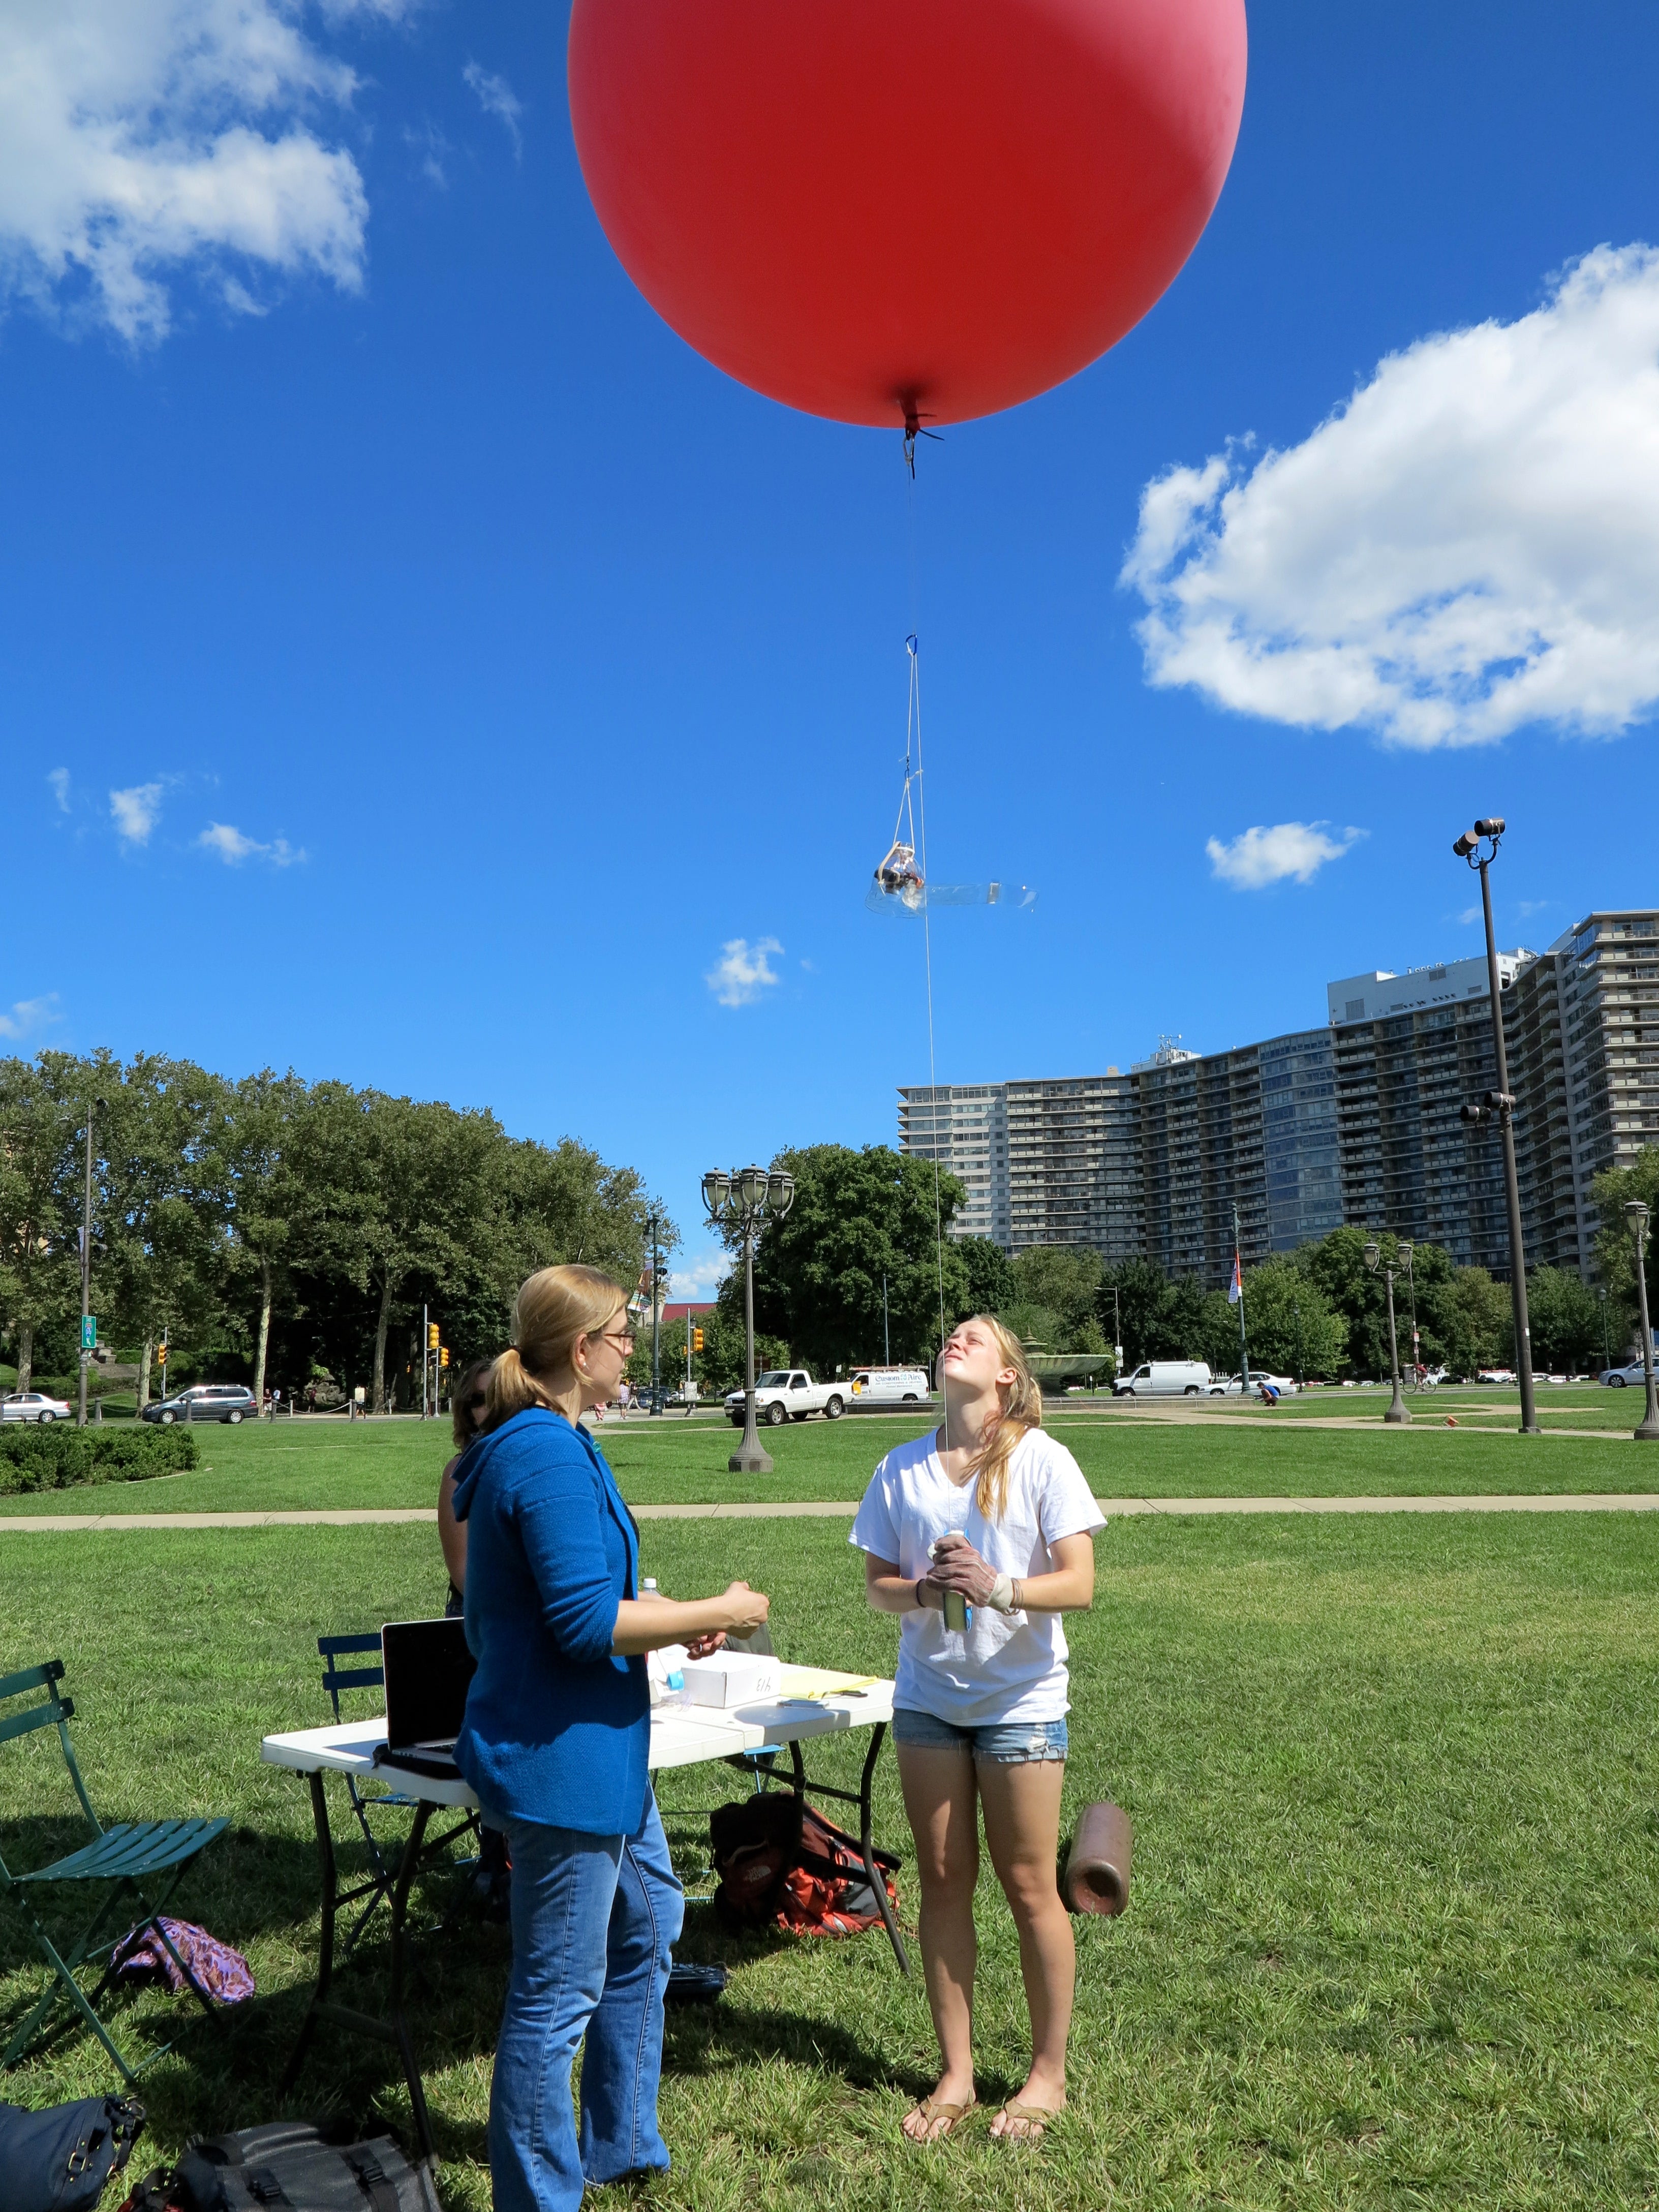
(1261, 856)
(743, 970)
(136, 811)
(28, 1015)
(695, 1281)
(232, 848)
(139, 136)
(58, 778)
(497, 97)
(1470, 544)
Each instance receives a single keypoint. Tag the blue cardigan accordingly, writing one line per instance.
(557, 1729)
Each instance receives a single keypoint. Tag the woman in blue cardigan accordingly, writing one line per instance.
(556, 1744)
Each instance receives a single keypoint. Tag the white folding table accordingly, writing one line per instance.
(813, 1702)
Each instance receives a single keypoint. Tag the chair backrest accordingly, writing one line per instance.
(53, 1710)
(337, 1678)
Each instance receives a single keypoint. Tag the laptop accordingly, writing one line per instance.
(428, 1669)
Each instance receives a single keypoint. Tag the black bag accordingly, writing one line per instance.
(287, 2165)
(59, 2160)
(758, 1843)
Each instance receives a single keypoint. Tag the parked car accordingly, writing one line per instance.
(789, 1393)
(1496, 1375)
(1616, 1378)
(32, 1405)
(1234, 1385)
(205, 1401)
(1166, 1378)
(899, 1386)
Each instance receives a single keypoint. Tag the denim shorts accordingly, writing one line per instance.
(1009, 1743)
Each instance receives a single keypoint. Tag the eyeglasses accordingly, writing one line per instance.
(622, 1338)
(477, 1401)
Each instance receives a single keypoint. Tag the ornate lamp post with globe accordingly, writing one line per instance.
(1396, 1412)
(744, 1201)
(1636, 1214)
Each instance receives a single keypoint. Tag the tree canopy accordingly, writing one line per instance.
(271, 1224)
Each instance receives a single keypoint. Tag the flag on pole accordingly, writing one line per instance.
(1236, 1288)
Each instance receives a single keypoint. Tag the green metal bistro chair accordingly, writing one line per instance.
(121, 1861)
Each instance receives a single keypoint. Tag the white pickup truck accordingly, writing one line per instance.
(784, 1394)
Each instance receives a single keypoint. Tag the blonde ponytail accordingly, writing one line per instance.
(553, 1309)
(1019, 1408)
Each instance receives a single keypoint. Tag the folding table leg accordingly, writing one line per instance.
(325, 1944)
(878, 1880)
(399, 2026)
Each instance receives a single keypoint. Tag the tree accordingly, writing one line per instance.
(1291, 1326)
(990, 1277)
(265, 1198)
(1472, 1322)
(1615, 1248)
(40, 1270)
(857, 1216)
(1065, 1279)
(1564, 1318)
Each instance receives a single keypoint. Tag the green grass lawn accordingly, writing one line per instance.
(397, 1463)
(1392, 1936)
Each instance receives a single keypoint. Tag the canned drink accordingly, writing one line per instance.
(956, 1606)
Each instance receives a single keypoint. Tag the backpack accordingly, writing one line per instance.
(59, 2160)
(287, 2165)
(779, 1860)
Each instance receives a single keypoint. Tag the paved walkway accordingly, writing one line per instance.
(844, 1508)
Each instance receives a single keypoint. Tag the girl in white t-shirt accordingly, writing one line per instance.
(990, 1507)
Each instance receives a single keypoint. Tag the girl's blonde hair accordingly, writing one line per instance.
(552, 1310)
(1019, 1408)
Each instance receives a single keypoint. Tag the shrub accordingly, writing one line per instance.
(34, 1458)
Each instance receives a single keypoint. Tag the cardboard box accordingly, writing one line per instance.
(733, 1678)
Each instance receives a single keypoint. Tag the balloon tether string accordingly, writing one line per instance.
(912, 726)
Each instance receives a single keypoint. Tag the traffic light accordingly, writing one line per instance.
(161, 1355)
(432, 1336)
(697, 1340)
(443, 1357)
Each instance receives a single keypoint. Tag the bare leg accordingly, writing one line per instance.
(1022, 1831)
(941, 1801)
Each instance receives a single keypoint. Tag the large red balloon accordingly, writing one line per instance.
(944, 207)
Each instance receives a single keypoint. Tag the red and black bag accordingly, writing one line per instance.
(778, 1859)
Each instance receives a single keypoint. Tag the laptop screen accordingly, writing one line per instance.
(428, 1669)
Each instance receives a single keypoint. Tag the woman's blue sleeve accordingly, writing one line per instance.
(561, 1521)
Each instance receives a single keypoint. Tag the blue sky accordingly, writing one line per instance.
(361, 521)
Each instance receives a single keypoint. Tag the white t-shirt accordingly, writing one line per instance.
(1007, 1666)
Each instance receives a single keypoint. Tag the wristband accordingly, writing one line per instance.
(1001, 1599)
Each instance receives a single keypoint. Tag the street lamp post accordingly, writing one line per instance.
(1636, 1214)
(96, 1107)
(1607, 1346)
(656, 1314)
(745, 1201)
(1396, 1412)
(1499, 1104)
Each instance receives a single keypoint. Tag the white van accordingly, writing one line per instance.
(1166, 1378)
(890, 1386)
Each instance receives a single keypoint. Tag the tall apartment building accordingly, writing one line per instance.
(965, 1126)
(1359, 1122)
(1410, 1051)
(1590, 1098)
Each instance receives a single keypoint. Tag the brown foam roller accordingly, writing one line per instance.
(1098, 1871)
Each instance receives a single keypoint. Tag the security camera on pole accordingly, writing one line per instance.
(743, 1200)
(1498, 1105)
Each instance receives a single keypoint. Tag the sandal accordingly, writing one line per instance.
(1033, 2119)
(930, 2110)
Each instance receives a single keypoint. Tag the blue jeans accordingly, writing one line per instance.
(594, 1921)
(1005, 1743)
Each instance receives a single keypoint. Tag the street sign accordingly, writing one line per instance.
(89, 1332)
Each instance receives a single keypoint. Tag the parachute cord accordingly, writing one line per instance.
(913, 721)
